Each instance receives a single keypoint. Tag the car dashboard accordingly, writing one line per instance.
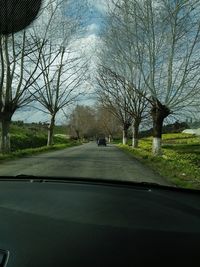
(92, 223)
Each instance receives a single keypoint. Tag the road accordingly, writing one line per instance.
(87, 160)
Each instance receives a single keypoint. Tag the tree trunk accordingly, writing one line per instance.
(51, 131)
(78, 135)
(125, 136)
(159, 112)
(5, 136)
(135, 137)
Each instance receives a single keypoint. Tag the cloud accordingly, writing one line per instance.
(93, 29)
(100, 5)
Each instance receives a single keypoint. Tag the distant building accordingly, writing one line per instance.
(192, 131)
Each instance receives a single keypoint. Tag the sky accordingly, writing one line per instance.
(93, 21)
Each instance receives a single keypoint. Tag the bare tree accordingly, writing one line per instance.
(63, 67)
(166, 44)
(15, 52)
(60, 84)
(93, 121)
(112, 96)
(83, 122)
(19, 59)
(117, 58)
(107, 123)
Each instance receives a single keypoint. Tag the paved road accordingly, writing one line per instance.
(87, 160)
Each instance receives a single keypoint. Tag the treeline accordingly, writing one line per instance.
(90, 122)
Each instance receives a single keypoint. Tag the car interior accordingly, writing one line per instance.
(79, 222)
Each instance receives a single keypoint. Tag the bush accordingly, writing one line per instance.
(23, 141)
(60, 139)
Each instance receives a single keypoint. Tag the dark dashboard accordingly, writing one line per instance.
(90, 223)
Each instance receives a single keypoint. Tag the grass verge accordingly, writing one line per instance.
(33, 151)
(180, 162)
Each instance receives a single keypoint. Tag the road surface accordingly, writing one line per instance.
(87, 160)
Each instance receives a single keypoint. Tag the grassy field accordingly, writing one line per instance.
(29, 139)
(180, 162)
(25, 136)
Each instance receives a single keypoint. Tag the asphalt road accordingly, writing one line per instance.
(87, 160)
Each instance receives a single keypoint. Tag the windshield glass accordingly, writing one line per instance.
(101, 89)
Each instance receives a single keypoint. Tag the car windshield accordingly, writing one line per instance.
(101, 89)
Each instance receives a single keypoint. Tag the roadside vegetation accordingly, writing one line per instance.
(33, 151)
(29, 139)
(180, 161)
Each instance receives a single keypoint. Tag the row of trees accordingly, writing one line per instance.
(92, 122)
(39, 64)
(149, 64)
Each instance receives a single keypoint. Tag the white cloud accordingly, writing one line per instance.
(93, 28)
(100, 5)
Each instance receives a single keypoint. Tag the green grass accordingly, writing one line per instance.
(31, 139)
(116, 141)
(180, 162)
(33, 135)
(33, 151)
